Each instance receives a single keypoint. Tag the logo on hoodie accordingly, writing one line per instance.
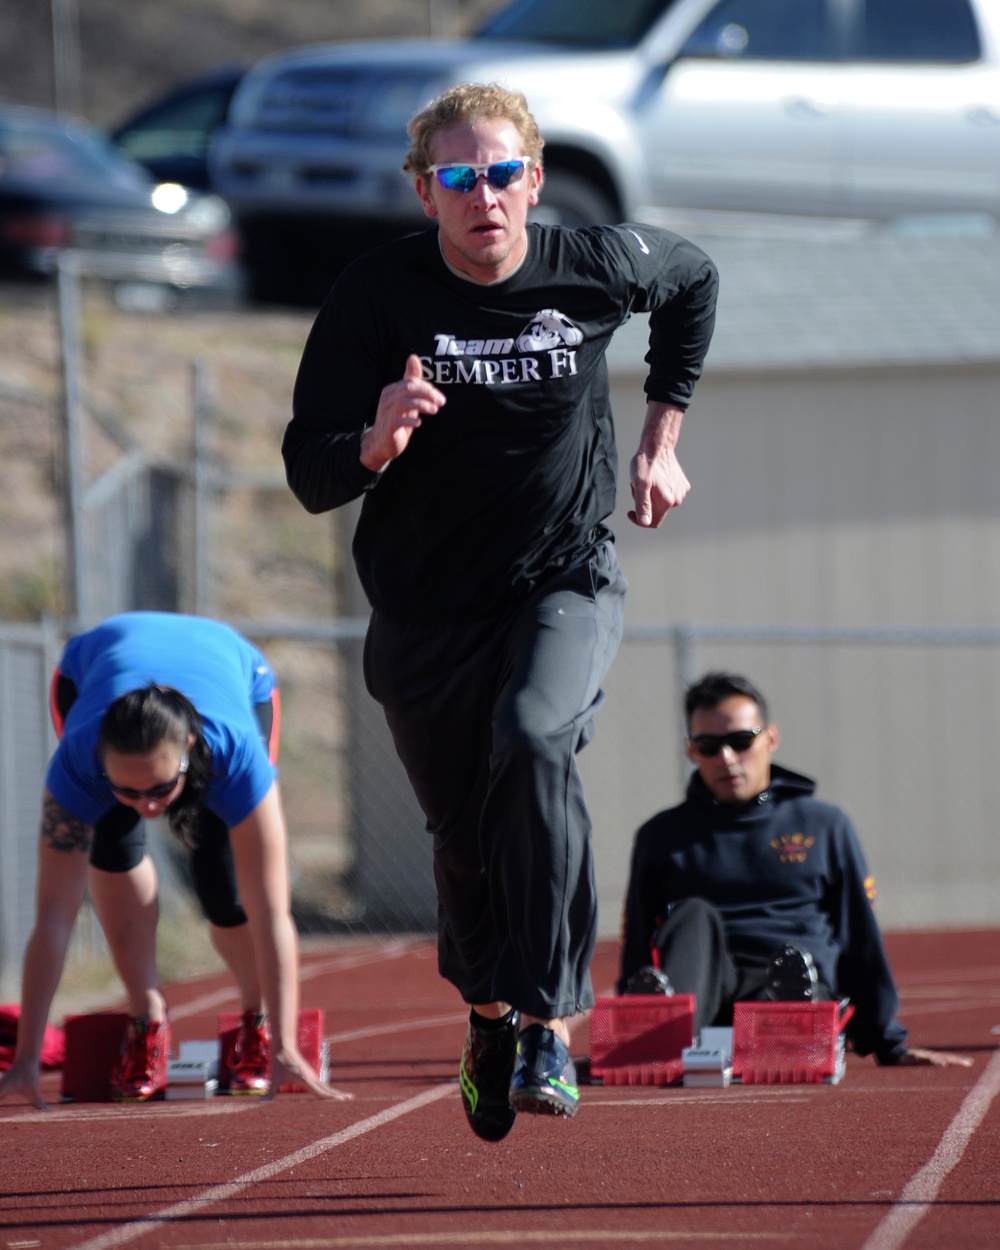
(793, 848)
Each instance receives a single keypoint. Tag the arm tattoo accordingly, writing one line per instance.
(62, 830)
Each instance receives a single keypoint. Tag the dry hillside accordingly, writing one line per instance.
(132, 50)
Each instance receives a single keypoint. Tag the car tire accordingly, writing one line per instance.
(567, 199)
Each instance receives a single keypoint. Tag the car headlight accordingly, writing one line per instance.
(210, 214)
(169, 197)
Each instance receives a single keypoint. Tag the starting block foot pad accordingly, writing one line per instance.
(310, 1041)
(793, 1043)
(637, 1039)
(93, 1044)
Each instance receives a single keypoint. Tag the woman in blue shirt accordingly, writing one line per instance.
(160, 714)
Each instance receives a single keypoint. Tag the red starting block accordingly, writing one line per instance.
(93, 1044)
(310, 1040)
(637, 1039)
(789, 1043)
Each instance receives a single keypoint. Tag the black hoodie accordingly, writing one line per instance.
(783, 868)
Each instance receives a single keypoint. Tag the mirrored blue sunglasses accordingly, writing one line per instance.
(464, 177)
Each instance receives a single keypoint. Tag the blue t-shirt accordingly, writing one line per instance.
(222, 674)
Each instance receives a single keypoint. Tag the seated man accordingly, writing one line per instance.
(753, 889)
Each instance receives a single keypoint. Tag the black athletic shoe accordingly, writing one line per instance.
(649, 980)
(544, 1080)
(792, 976)
(484, 1076)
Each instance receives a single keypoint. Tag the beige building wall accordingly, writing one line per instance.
(847, 498)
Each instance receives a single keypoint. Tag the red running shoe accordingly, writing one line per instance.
(250, 1065)
(140, 1071)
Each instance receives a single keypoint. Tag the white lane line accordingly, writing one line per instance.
(692, 1096)
(945, 979)
(205, 1002)
(377, 1030)
(939, 1006)
(545, 1237)
(395, 949)
(80, 1113)
(222, 1193)
(918, 1196)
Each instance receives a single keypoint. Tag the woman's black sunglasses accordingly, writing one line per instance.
(154, 792)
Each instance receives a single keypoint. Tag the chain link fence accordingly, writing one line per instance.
(26, 656)
(895, 724)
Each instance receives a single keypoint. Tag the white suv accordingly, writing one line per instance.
(859, 108)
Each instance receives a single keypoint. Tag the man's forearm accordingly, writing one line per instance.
(661, 429)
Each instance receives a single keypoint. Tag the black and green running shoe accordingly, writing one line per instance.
(544, 1080)
(484, 1076)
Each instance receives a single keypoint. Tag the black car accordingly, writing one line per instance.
(65, 188)
(171, 136)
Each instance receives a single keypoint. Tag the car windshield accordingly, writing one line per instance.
(181, 127)
(41, 154)
(575, 23)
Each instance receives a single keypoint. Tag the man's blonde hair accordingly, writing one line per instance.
(466, 103)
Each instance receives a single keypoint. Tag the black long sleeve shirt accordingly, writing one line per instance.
(513, 477)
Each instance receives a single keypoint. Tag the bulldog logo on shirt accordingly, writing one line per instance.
(548, 329)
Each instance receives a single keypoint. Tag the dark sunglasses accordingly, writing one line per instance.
(739, 740)
(464, 177)
(159, 791)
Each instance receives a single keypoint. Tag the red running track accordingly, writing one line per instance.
(888, 1158)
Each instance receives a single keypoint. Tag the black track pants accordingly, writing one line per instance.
(487, 718)
(695, 956)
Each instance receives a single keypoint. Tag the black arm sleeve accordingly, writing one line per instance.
(340, 378)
